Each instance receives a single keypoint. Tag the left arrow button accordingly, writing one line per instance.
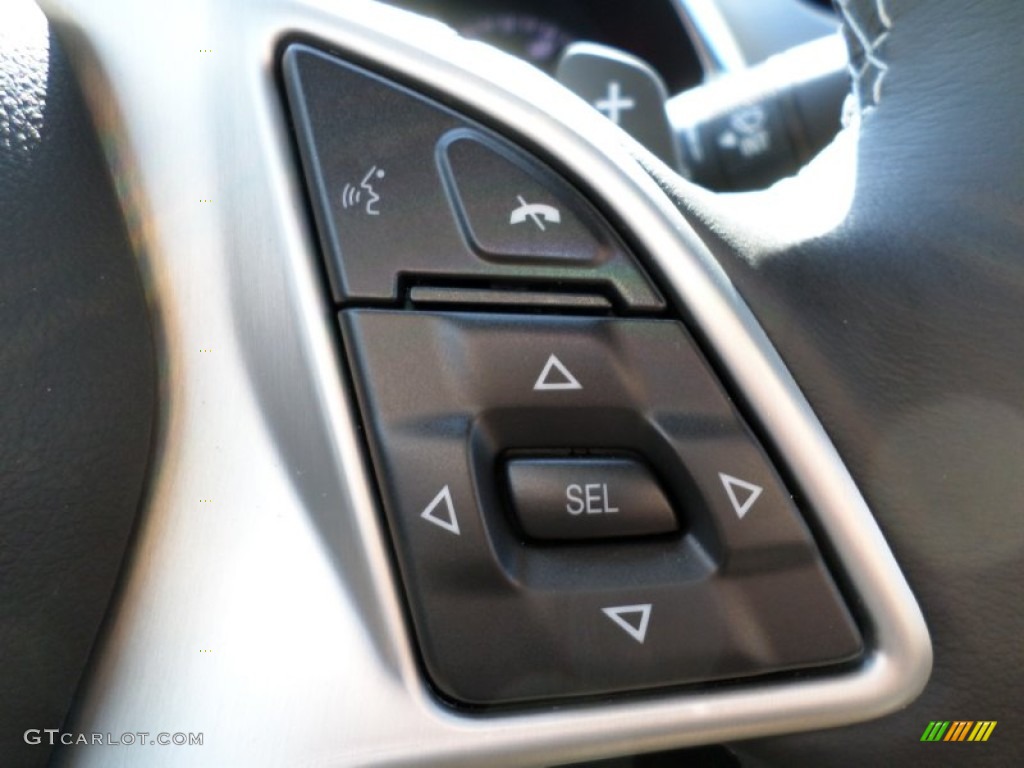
(441, 511)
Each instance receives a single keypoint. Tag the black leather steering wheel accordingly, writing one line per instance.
(901, 322)
(887, 276)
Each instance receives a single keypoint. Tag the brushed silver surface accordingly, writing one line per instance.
(259, 606)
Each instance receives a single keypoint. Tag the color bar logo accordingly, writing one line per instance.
(958, 730)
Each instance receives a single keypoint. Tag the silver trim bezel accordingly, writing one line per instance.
(290, 582)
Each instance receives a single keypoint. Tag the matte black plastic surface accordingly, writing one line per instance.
(445, 396)
(587, 498)
(383, 212)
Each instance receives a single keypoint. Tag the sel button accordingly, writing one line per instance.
(587, 498)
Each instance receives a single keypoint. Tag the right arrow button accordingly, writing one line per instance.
(742, 494)
(750, 507)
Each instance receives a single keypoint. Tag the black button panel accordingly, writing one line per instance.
(447, 396)
(383, 165)
(576, 505)
(587, 498)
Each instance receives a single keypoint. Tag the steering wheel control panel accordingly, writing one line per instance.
(441, 201)
(577, 507)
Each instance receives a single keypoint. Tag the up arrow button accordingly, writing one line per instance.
(556, 376)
